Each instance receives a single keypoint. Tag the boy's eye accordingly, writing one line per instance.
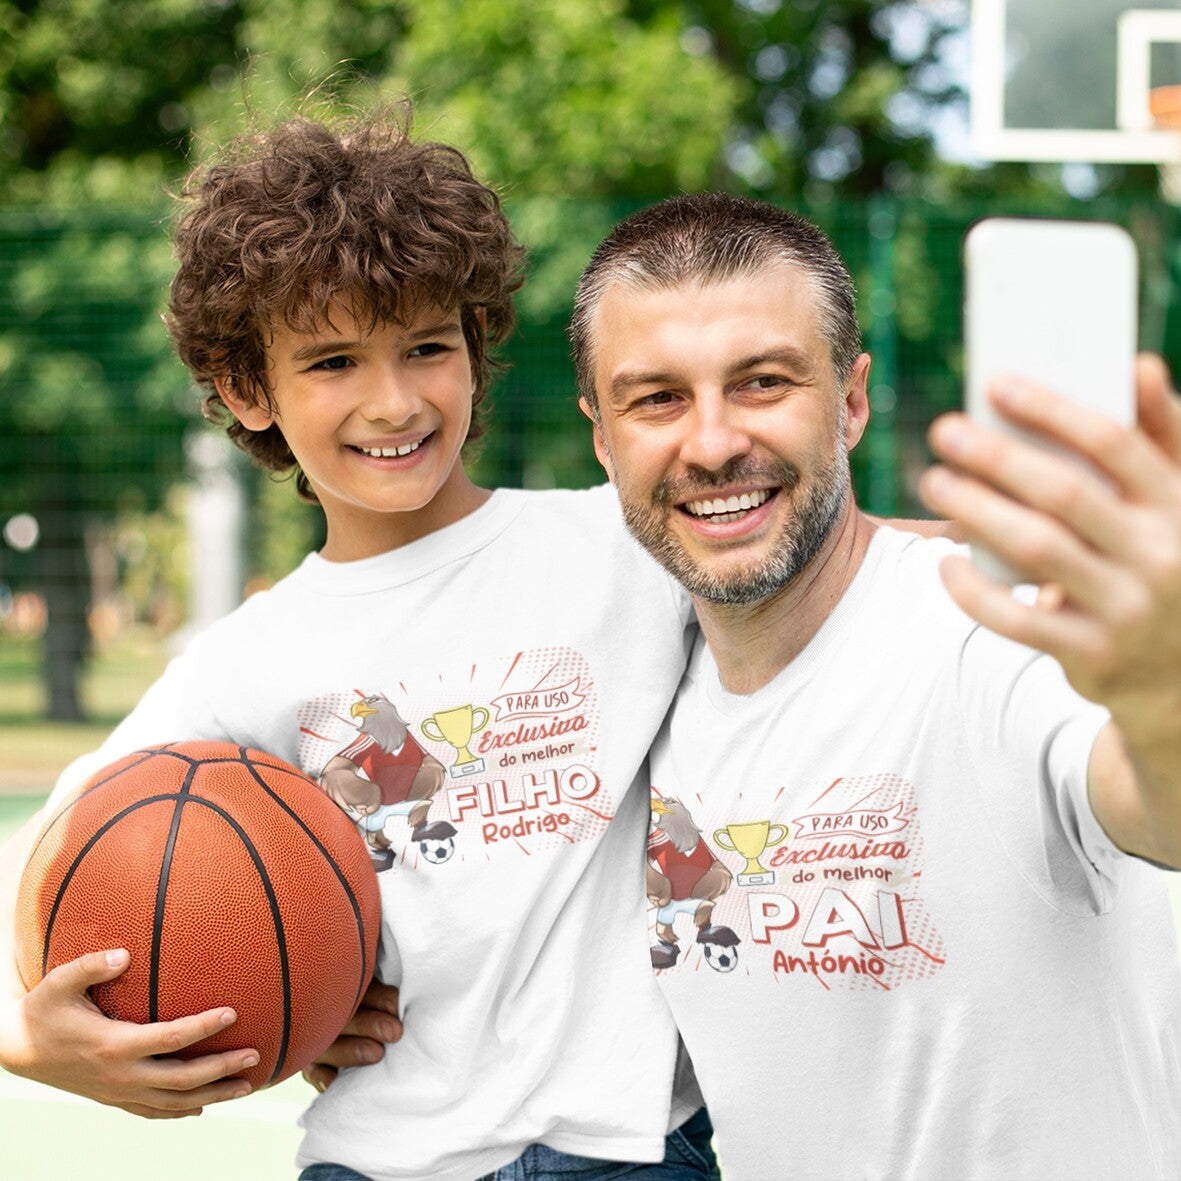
(333, 363)
(430, 349)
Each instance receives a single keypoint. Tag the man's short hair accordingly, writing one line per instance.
(708, 237)
(286, 222)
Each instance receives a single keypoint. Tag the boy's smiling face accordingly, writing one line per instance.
(376, 417)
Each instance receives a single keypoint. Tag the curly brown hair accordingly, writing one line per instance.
(285, 222)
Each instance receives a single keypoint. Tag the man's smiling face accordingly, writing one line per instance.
(723, 426)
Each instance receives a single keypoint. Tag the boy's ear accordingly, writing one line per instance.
(601, 452)
(252, 416)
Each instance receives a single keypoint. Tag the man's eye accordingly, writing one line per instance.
(660, 398)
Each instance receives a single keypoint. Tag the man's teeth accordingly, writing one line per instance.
(390, 452)
(731, 504)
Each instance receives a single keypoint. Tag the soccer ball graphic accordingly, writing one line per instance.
(720, 957)
(437, 849)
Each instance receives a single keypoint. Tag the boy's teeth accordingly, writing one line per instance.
(731, 504)
(391, 452)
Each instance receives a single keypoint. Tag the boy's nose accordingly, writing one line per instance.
(390, 398)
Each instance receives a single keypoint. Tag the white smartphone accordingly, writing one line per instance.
(1054, 302)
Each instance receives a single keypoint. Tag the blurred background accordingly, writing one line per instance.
(125, 525)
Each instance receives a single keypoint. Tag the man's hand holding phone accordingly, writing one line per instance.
(1088, 507)
(1065, 470)
(1103, 540)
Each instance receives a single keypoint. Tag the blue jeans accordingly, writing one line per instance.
(688, 1156)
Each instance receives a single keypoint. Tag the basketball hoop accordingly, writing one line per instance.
(1164, 104)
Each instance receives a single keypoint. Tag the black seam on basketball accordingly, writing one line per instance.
(162, 895)
(179, 799)
(245, 753)
(276, 918)
(67, 877)
(340, 875)
(255, 762)
(69, 803)
(149, 753)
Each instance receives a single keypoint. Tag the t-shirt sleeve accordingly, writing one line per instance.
(1030, 736)
(175, 708)
(607, 500)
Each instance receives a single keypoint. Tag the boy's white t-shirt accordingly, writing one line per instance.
(530, 1012)
(944, 968)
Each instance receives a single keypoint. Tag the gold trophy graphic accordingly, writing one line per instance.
(749, 840)
(456, 726)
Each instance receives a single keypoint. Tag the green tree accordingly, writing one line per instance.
(567, 97)
(577, 109)
(834, 94)
(90, 408)
(102, 103)
(89, 416)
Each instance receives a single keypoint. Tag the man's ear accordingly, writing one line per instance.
(857, 401)
(252, 416)
(600, 444)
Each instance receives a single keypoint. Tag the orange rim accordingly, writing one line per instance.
(1164, 103)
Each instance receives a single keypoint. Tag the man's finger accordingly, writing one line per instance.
(1053, 484)
(1158, 405)
(1040, 548)
(1128, 457)
(1058, 632)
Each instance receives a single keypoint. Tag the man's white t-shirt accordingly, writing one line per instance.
(930, 961)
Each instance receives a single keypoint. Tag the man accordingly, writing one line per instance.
(953, 957)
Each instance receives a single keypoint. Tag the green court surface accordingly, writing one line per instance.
(46, 1135)
(14, 810)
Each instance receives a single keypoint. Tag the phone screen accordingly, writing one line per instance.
(1054, 302)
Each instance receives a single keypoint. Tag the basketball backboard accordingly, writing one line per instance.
(1069, 81)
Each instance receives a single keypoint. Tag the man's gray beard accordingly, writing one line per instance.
(808, 527)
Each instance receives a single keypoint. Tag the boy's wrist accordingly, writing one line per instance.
(13, 1049)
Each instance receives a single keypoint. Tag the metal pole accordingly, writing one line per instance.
(881, 338)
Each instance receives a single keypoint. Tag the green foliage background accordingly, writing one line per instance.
(578, 110)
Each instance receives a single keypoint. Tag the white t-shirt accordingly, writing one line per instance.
(532, 649)
(944, 967)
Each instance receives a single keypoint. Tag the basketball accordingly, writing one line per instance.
(230, 878)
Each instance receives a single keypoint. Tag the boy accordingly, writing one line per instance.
(475, 676)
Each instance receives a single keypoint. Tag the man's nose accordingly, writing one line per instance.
(715, 433)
